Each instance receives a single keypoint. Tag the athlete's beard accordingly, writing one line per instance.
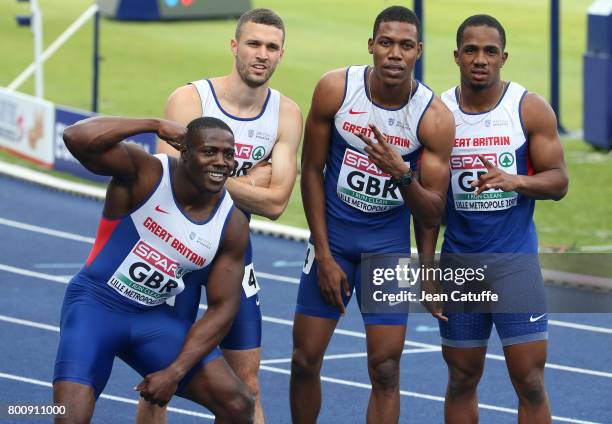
(243, 71)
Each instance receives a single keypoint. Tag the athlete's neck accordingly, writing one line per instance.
(387, 95)
(477, 100)
(237, 98)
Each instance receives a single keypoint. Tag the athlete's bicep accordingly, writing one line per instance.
(284, 155)
(326, 101)
(437, 134)
(225, 277)
(545, 150)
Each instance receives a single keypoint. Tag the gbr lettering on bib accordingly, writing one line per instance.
(147, 276)
(466, 168)
(362, 185)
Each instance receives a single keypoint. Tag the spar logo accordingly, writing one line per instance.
(472, 161)
(156, 259)
(362, 163)
(506, 159)
(258, 153)
(243, 151)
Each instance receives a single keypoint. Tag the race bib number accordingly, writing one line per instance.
(310, 256)
(363, 186)
(467, 168)
(148, 277)
(249, 281)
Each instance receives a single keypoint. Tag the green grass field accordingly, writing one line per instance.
(143, 62)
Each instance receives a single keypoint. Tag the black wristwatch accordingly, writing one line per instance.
(403, 180)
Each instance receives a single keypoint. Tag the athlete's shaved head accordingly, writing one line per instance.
(397, 14)
(205, 122)
(260, 16)
(481, 20)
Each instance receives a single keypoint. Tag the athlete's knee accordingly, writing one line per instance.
(531, 389)
(147, 413)
(78, 399)
(304, 365)
(241, 407)
(462, 380)
(384, 373)
(252, 383)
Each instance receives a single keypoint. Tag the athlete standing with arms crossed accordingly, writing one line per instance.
(266, 125)
(354, 209)
(490, 205)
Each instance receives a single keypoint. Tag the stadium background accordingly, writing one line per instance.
(143, 62)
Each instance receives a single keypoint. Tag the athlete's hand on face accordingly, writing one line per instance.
(495, 178)
(261, 174)
(331, 280)
(158, 387)
(383, 155)
(172, 133)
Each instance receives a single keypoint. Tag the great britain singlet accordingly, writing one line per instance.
(495, 221)
(255, 137)
(357, 191)
(142, 258)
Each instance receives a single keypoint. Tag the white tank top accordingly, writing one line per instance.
(255, 137)
(361, 184)
(498, 135)
(165, 246)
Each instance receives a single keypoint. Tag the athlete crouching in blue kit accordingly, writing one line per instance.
(167, 223)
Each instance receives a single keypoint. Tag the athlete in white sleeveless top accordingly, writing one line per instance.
(360, 185)
(268, 127)
(167, 224)
(506, 155)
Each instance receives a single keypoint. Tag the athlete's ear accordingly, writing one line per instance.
(420, 47)
(370, 46)
(504, 58)
(234, 47)
(282, 52)
(456, 54)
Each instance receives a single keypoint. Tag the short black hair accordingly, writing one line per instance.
(260, 16)
(397, 14)
(482, 20)
(205, 122)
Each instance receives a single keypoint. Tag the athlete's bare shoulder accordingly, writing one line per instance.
(438, 124)
(288, 108)
(329, 92)
(184, 94)
(537, 114)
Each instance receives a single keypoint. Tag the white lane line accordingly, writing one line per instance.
(419, 395)
(277, 277)
(584, 327)
(338, 331)
(344, 356)
(45, 230)
(333, 380)
(27, 323)
(274, 277)
(103, 395)
(43, 276)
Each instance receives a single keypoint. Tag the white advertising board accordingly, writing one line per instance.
(26, 126)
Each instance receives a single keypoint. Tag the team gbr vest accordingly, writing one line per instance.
(255, 137)
(142, 259)
(357, 190)
(495, 221)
